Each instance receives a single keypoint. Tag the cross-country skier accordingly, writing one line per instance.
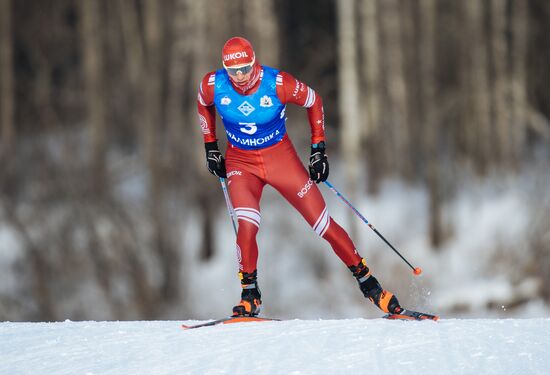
(251, 100)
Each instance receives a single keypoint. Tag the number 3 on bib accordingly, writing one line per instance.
(249, 127)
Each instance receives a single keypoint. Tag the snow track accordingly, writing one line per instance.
(352, 346)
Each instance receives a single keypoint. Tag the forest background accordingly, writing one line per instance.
(437, 116)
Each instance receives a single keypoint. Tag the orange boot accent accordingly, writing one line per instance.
(247, 308)
(384, 301)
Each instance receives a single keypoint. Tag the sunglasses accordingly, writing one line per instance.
(243, 69)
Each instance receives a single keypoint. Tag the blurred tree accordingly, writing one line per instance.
(474, 93)
(431, 121)
(154, 84)
(206, 187)
(92, 51)
(7, 101)
(370, 91)
(518, 16)
(500, 92)
(395, 122)
(348, 99)
(348, 89)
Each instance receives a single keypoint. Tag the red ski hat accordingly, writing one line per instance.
(237, 52)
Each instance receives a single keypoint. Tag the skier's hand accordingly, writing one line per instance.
(318, 163)
(214, 159)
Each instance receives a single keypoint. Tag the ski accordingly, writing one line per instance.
(411, 315)
(230, 320)
(403, 315)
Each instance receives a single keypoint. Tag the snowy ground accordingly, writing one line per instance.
(348, 346)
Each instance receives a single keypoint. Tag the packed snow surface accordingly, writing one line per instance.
(348, 346)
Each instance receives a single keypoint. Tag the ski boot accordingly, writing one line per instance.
(372, 290)
(251, 298)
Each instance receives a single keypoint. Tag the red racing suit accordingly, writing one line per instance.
(278, 165)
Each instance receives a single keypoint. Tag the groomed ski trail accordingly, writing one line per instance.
(351, 346)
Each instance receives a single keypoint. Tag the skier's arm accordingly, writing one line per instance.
(206, 108)
(207, 117)
(291, 90)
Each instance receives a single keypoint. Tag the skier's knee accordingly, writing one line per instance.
(322, 223)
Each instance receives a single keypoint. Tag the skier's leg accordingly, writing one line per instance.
(286, 173)
(295, 185)
(245, 190)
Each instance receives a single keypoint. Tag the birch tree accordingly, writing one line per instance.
(397, 137)
(348, 91)
(371, 74)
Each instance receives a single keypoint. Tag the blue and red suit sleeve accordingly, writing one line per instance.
(291, 90)
(206, 108)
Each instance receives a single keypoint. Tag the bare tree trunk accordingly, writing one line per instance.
(206, 188)
(7, 101)
(501, 108)
(475, 90)
(371, 93)
(430, 118)
(398, 137)
(411, 45)
(348, 89)
(133, 65)
(152, 83)
(93, 76)
(348, 98)
(189, 60)
(133, 48)
(518, 88)
(163, 241)
(179, 86)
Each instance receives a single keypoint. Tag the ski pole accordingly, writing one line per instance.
(229, 205)
(416, 270)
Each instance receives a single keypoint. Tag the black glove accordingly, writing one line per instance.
(318, 163)
(214, 159)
